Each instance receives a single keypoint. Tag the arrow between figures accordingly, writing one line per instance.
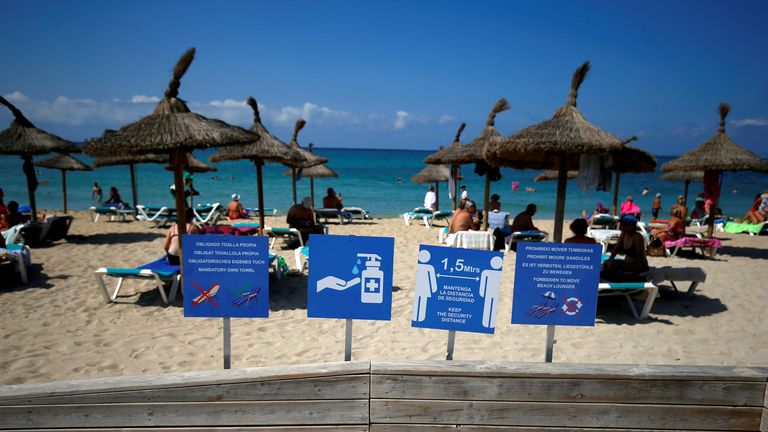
(458, 277)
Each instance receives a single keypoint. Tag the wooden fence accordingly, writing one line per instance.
(398, 397)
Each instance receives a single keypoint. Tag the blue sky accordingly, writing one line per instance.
(394, 74)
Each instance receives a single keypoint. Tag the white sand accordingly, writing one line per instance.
(59, 327)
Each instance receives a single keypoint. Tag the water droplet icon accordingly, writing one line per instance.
(358, 261)
(355, 270)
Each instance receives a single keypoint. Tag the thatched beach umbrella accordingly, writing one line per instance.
(267, 148)
(433, 174)
(64, 163)
(684, 176)
(629, 160)
(556, 143)
(476, 148)
(307, 159)
(193, 165)
(453, 155)
(716, 155)
(24, 139)
(317, 171)
(172, 128)
(131, 161)
(548, 175)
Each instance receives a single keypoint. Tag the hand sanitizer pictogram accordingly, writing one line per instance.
(372, 286)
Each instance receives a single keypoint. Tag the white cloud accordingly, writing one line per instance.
(76, 112)
(16, 96)
(228, 103)
(750, 122)
(401, 119)
(144, 99)
(446, 119)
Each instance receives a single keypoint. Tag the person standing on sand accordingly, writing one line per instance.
(656, 206)
(430, 199)
(96, 193)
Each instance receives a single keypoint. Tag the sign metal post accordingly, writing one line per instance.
(348, 341)
(451, 342)
(227, 345)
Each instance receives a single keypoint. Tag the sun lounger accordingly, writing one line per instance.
(112, 212)
(208, 214)
(525, 236)
(32, 233)
(19, 257)
(329, 213)
(301, 256)
(603, 221)
(159, 272)
(417, 213)
(481, 240)
(671, 247)
(288, 234)
(254, 212)
(356, 213)
(694, 275)
(58, 227)
(735, 228)
(628, 289)
(155, 216)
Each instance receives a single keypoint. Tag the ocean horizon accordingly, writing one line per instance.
(367, 178)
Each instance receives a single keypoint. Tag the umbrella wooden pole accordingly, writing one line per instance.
(616, 194)
(437, 196)
(454, 174)
(260, 188)
(64, 189)
(293, 183)
(134, 194)
(711, 224)
(312, 191)
(685, 194)
(562, 181)
(486, 200)
(177, 159)
(32, 205)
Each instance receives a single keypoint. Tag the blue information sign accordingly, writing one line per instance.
(556, 284)
(225, 276)
(350, 277)
(457, 289)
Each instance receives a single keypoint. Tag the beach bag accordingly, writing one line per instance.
(656, 248)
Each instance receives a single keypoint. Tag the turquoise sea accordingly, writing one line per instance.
(367, 178)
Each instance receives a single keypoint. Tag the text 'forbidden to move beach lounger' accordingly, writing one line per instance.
(225, 276)
(556, 284)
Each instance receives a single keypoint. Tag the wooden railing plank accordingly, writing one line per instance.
(567, 390)
(336, 387)
(565, 414)
(327, 412)
(333, 428)
(183, 379)
(470, 428)
(565, 370)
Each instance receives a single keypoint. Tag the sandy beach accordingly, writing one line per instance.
(58, 327)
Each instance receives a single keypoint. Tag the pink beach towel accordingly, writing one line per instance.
(693, 242)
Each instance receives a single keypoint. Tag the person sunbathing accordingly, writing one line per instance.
(579, 229)
(629, 207)
(754, 216)
(681, 205)
(675, 227)
(12, 217)
(599, 210)
(301, 217)
(332, 201)
(172, 237)
(632, 245)
(463, 219)
(235, 209)
(699, 210)
(115, 200)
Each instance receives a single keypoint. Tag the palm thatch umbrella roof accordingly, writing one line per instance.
(309, 159)
(688, 176)
(568, 133)
(455, 153)
(552, 175)
(317, 171)
(193, 165)
(64, 162)
(630, 159)
(432, 174)
(171, 127)
(554, 144)
(267, 148)
(24, 139)
(476, 148)
(719, 153)
(105, 161)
